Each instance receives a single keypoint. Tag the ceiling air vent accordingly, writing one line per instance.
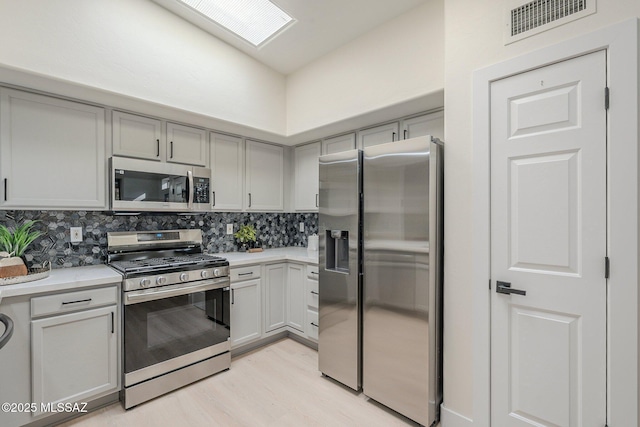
(536, 16)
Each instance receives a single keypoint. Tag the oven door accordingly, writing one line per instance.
(174, 326)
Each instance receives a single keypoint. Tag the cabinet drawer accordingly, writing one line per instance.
(312, 324)
(312, 293)
(312, 272)
(71, 301)
(245, 273)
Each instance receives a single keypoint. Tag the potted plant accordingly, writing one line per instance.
(246, 235)
(13, 243)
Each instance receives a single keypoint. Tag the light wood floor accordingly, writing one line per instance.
(276, 385)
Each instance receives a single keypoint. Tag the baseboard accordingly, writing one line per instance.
(449, 418)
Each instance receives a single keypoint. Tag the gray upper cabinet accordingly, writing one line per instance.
(227, 172)
(52, 153)
(306, 177)
(339, 143)
(187, 145)
(378, 135)
(264, 175)
(137, 136)
(426, 124)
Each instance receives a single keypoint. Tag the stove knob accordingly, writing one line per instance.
(216, 272)
(145, 283)
(161, 280)
(184, 277)
(204, 274)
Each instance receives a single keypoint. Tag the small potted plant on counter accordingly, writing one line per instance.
(246, 235)
(13, 243)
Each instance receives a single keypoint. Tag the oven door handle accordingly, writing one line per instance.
(174, 291)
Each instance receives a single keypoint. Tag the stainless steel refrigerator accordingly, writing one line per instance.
(381, 234)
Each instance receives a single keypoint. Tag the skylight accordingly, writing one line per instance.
(253, 20)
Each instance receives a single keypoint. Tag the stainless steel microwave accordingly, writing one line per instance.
(144, 185)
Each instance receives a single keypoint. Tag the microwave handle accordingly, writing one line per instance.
(191, 192)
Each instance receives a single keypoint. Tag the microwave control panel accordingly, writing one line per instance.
(201, 190)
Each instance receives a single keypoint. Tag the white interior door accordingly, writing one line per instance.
(548, 239)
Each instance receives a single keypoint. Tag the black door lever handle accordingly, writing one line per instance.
(505, 288)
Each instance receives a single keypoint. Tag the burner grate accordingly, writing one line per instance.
(150, 264)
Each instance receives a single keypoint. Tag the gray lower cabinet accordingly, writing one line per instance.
(275, 282)
(312, 297)
(246, 305)
(15, 362)
(74, 349)
(295, 296)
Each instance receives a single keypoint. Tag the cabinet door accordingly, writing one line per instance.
(296, 307)
(312, 293)
(137, 136)
(339, 143)
(306, 178)
(15, 360)
(311, 325)
(52, 153)
(264, 177)
(275, 280)
(227, 171)
(186, 145)
(74, 356)
(428, 124)
(246, 312)
(378, 135)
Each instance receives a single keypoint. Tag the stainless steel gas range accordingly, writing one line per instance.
(175, 311)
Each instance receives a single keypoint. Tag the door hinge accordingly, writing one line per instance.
(606, 267)
(606, 98)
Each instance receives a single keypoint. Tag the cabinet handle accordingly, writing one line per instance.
(171, 145)
(112, 328)
(313, 324)
(5, 189)
(246, 274)
(315, 293)
(233, 296)
(249, 199)
(213, 196)
(317, 205)
(393, 136)
(157, 148)
(76, 302)
(314, 272)
(405, 134)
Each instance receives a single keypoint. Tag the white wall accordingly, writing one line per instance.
(393, 63)
(138, 49)
(473, 40)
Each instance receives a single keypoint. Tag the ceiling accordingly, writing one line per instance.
(322, 26)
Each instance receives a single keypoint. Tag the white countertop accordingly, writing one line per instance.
(292, 253)
(64, 279)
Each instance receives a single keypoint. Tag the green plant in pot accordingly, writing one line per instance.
(246, 235)
(13, 243)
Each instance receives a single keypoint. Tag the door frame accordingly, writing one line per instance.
(621, 43)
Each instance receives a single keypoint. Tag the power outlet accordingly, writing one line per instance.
(301, 227)
(76, 234)
(229, 228)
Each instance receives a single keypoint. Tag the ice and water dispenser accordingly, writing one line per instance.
(337, 251)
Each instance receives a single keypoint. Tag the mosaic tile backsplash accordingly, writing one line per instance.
(273, 230)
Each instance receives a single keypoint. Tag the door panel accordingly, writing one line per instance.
(548, 239)
(543, 239)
